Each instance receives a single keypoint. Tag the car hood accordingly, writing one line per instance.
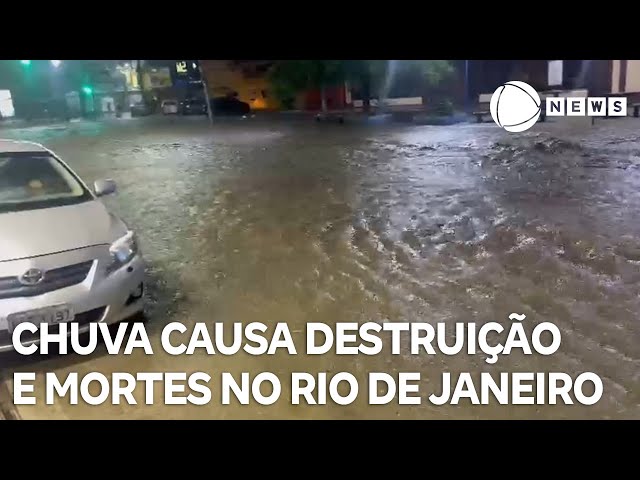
(51, 230)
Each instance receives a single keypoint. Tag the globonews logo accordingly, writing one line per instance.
(516, 106)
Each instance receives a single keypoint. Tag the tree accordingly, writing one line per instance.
(378, 77)
(368, 76)
(285, 93)
(430, 76)
(374, 78)
(290, 76)
(434, 71)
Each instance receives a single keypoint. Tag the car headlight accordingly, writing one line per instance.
(122, 251)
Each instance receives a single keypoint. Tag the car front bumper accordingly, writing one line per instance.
(101, 297)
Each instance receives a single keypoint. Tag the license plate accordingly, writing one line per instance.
(50, 315)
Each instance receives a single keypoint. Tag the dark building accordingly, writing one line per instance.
(599, 77)
(186, 79)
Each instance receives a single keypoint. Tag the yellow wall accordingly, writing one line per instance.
(131, 77)
(223, 78)
(156, 78)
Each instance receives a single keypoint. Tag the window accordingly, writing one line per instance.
(30, 180)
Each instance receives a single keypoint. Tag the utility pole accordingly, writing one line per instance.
(206, 92)
(139, 74)
(467, 88)
(126, 107)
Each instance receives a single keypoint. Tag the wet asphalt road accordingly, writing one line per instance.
(292, 221)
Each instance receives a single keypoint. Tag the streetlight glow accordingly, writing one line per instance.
(25, 62)
(56, 63)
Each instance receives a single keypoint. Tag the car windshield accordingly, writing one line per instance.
(30, 180)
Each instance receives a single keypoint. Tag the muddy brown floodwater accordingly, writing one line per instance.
(289, 221)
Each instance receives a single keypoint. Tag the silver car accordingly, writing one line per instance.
(63, 256)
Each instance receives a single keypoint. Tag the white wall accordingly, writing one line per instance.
(108, 104)
(392, 101)
(633, 76)
(6, 104)
(554, 73)
(615, 76)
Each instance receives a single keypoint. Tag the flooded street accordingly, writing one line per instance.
(293, 221)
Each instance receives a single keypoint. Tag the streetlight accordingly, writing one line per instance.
(56, 63)
(87, 90)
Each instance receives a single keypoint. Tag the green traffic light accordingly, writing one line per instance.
(25, 62)
(87, 90)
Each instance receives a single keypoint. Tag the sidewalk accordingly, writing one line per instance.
(411, 116)
(16, 123)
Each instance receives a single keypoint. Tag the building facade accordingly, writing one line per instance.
(337, 98)
(245, 79)
(185, 79)
(620, 77)
(599, 77)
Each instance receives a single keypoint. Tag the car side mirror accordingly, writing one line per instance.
(104, 187)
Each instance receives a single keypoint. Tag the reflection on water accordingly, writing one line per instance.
(300, 223)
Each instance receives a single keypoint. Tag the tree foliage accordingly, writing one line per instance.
(379, 78)
(433, 72)
(367, 76)
(373, 78)
(289, 76)
(301, 74)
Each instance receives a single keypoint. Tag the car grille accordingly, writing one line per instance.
(84, 318)
(10, 287)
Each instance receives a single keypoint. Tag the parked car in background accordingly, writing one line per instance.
(90, 270)
(193, 106)
(169, 107)
(140, 110)
(229, 105)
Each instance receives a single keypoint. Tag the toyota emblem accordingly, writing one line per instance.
(31, 277)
